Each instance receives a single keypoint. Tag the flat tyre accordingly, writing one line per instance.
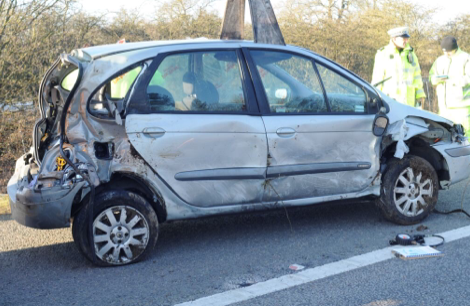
(124, 229)
(409, 190)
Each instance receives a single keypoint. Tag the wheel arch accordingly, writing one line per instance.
(134, 183)
(421, 148)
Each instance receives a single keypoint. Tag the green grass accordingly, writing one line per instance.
(4, 205)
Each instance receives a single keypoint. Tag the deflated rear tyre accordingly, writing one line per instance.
(124, 229)
(409, 190)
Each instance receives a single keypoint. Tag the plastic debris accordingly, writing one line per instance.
(296, 267)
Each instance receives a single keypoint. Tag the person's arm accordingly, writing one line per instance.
(418, 81)
(378, 73)
(466, 69)
(433, 73)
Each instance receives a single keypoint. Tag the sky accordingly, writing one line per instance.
(448, 9)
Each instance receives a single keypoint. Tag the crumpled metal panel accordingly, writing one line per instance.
(405, 129)
(203, 142)
(317, 140)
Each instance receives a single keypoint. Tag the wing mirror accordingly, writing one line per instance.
(380, 123)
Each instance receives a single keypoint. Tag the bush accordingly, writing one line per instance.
(16, 131)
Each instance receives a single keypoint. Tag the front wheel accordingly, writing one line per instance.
(124, 229)
(409, 190)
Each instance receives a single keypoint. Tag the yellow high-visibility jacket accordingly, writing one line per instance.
(405, 84)
(453, 93)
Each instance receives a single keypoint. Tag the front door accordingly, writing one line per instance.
(318, 127)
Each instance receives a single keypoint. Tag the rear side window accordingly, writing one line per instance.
(109, 99)
(69, 80)
(290, 82)
(197, 82)
(343, 95)
(121, 85)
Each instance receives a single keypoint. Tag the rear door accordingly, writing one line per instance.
(195, 121)
(319, 127)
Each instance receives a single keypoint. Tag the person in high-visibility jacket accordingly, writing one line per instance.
(450, 73)
(396, 70)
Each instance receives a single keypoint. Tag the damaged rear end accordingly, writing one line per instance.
(54, 174)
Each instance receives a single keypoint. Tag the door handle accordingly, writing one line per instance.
(285, 132)
(154, 132)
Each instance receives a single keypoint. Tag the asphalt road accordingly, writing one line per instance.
(199, 258)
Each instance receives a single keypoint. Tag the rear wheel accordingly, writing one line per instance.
(409, 190)
(124, 229)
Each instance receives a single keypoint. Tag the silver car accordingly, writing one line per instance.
(137, 134)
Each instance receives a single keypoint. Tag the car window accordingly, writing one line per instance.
(343, 95)
(69, 80)
(290, 82)
(197, 82)
(121, 85)
(111, 95)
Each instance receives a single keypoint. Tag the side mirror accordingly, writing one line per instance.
(380, 124)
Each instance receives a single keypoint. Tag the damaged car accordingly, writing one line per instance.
(135, 135)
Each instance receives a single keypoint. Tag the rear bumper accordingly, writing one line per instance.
(43, 208)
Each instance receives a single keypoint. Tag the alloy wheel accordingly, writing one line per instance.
(120, 234)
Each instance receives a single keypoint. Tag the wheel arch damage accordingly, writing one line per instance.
(420, 133)
(130, 182)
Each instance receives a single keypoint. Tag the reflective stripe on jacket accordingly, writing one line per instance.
(405, 84)
(453, 94)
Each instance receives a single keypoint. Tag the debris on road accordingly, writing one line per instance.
(296, 267)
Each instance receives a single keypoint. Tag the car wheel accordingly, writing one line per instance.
(409, 190)
(124, 229)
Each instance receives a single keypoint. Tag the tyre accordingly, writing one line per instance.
(124, 229)
(409, 190)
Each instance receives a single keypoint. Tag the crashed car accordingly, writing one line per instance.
(134, 135)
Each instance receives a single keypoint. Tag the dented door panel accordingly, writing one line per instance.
(328, 155)
(207, 160)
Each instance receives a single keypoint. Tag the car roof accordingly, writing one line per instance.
(96, 52)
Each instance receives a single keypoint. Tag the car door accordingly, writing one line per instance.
(318, 124)
(195, 121)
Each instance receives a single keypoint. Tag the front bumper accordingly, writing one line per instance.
(40, 206)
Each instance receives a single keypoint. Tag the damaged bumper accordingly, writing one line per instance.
(42, 201)
(457, 157)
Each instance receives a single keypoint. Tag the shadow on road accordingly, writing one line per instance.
(204, 255)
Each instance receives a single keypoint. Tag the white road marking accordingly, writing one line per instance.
(309, 275)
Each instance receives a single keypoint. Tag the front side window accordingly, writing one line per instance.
(290, 82)
(197, 82)
(343, 95)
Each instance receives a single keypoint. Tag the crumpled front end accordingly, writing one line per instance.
(438, 140)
